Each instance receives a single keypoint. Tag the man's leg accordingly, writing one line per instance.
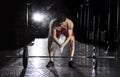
(72, 50)
(72, 47)
(50, 50)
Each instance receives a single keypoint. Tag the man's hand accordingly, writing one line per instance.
(61, 48)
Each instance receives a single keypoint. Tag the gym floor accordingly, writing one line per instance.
(11, 62)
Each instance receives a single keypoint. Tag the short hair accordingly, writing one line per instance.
(60, 17)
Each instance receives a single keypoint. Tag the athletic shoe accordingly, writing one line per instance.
(50, 64)
(71, 64)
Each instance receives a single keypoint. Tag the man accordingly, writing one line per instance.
(61, 25)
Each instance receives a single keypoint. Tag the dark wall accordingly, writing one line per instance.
(13, 33)
(118, 23)
(97, 23)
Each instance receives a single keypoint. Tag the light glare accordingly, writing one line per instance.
(38, 17)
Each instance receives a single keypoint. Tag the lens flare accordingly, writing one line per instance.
(38, 17)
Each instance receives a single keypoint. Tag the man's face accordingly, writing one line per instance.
(62, 24)
(58, 27)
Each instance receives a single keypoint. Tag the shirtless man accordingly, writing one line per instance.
(61, 25)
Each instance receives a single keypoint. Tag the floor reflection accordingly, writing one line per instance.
(13, 67)
(54, 71)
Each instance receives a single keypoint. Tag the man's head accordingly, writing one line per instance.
(60, 18)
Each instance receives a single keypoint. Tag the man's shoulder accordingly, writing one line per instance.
(52, 22)
(69, 20)
(70, 23)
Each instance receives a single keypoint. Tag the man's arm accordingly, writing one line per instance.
(70, 31)
(55, 38)
(53, 31)
(51, 25)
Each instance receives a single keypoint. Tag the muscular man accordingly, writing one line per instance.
(61, 25)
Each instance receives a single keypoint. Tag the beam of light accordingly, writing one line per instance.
(38, 17)
(38, 49)
(93, 73)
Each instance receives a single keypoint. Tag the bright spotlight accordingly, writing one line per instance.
(38, 17)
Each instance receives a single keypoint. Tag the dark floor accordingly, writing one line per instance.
(11, 62)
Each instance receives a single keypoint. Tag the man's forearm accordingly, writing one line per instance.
(56, 40)
(66, 41)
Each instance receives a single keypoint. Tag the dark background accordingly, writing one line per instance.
(96, 21)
